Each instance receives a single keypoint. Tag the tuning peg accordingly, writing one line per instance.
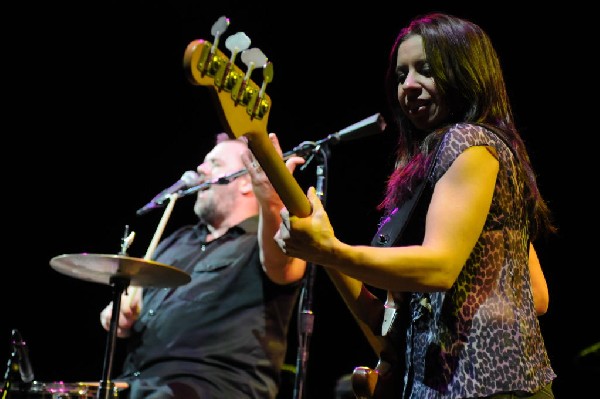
(236, 43)
(253, 58)
(267, 78)
(244, 89)
(267, 75)
(257, 102)
(218, 28)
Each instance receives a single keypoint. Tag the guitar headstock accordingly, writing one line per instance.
(243, 106)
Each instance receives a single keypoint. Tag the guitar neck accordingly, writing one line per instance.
(283, 181)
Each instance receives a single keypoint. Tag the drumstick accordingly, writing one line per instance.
(155, 240)
(161, 226)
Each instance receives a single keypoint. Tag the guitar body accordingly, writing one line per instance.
(383, 382)
(386, 380)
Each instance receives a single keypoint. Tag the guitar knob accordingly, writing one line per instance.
(383, 239)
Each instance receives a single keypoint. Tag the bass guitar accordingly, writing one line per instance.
(243, 108)
(385, 381)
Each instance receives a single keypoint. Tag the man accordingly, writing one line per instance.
(224, 334)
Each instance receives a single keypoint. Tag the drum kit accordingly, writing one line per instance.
(119, 271)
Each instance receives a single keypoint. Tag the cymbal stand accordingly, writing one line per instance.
(9, 375)
(106, 387)
(119, 283)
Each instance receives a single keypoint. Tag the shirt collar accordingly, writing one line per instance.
(249, 225)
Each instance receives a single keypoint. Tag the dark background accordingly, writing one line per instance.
(99, 117)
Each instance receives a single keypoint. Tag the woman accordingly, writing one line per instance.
(458, 276)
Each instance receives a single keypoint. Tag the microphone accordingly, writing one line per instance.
(187, 180)
(374, 124)
(22, 355)
(223, 180)
(367, 127)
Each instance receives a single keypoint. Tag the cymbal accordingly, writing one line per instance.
(102, 268)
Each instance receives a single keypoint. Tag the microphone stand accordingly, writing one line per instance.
(306, 314)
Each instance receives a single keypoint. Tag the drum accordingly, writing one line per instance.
(61, 390)
(92, 388)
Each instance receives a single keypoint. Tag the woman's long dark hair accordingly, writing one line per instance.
(467, 74)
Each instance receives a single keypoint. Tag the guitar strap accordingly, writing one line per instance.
(390, 233)
(392, 226)
(395, 229)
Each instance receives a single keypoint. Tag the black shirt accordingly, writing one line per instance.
(226, 330)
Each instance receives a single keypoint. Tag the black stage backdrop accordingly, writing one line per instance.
(99, 117)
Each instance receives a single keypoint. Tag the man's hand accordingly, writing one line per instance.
(128, 312)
